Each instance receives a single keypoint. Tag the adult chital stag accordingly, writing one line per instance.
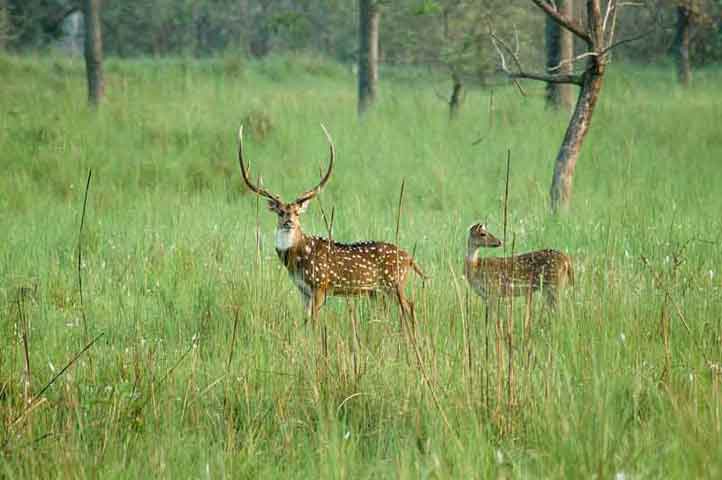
(493, 277)
(320, 267)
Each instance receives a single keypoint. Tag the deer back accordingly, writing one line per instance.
(345, 269)
(514, 275)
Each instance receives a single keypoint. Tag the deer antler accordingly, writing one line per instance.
(314, 191)
(244, 173)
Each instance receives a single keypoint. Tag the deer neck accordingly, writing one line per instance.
(288, 239)
(472, 255)
(290, 245)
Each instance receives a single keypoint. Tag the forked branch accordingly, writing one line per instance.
(575, 79)
(598, 35)
(631, 39)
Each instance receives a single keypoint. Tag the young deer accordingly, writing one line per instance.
(320, 267)
(514, 276)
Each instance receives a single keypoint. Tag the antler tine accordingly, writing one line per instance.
(313, 192)
(244, 173)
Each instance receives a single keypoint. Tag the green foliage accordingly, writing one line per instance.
(428, 7)
(656, 22)
(452, 34)
(205, 368)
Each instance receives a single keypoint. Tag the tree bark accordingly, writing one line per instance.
(680, 46)
(561, 189)
(368, 73)
(457, 94)
(93, 52)
(560, 47)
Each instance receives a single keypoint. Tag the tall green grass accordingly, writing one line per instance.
(205, 368)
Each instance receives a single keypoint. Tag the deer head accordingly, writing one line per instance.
(479, 236)
(288, 230)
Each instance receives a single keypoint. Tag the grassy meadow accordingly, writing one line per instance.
(205, 369)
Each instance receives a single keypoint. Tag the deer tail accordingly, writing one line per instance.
(418, 270)
(570, 271)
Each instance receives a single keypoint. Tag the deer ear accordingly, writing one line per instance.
(302, 206)
(274, 206)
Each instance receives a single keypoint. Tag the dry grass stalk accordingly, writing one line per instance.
(80, 258)
(26, 353)
(233, 338)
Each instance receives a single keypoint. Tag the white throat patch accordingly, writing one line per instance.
(285, 239)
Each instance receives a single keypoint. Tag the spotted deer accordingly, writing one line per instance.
(494, 277)
(320, 267)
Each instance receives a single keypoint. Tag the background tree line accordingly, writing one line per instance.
(448, 33)
(472, 40)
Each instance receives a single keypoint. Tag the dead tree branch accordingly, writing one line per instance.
(575, 79)
(565, 22)
(599, 36)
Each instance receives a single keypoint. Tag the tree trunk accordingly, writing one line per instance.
(680, 46)
(4, 24)
(561, 190)
(93, 52)
(560, 47)
(368, 73)
(260, 44)
(457, 94)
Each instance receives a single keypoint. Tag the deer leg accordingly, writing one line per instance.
(382, 300)
(306, 307)
(317, 300)
(493, 307)
(355, 342)
(551, 295)
(407, 307)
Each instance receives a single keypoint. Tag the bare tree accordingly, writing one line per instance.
(93, 52)
(598, 36)
(368, 60)
(560, 49)
(451, 35)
